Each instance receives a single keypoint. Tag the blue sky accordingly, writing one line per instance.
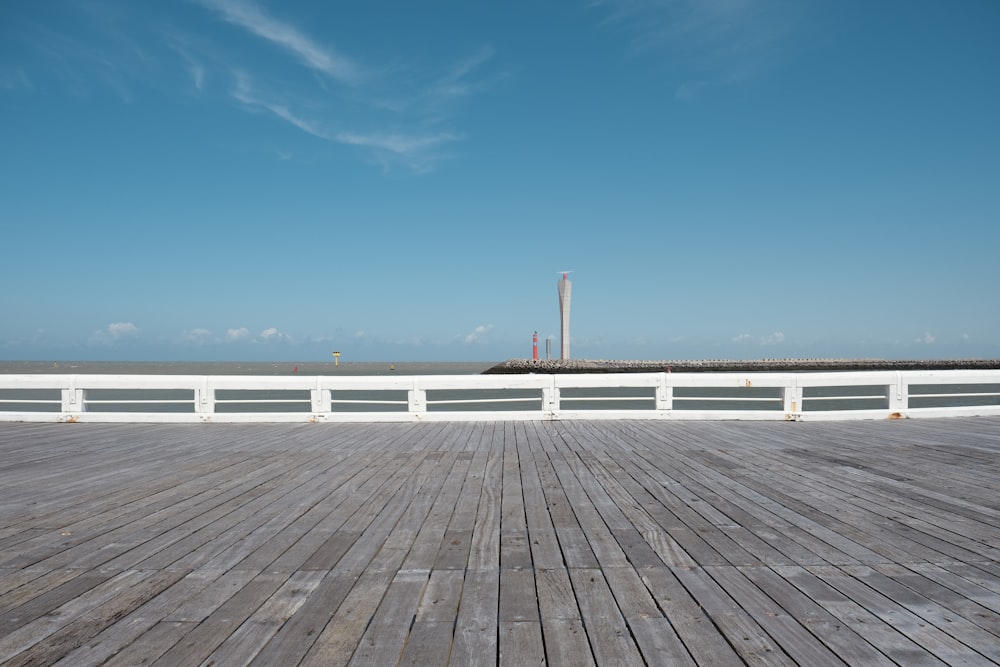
(262, 180)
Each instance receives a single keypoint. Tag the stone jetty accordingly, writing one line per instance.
(735, 366)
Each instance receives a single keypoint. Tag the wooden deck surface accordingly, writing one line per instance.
(518, 543)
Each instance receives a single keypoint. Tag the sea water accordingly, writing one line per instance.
(247, 367)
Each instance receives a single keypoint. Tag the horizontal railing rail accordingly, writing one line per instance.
(221, 398)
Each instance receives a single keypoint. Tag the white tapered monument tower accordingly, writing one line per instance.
(565, 290)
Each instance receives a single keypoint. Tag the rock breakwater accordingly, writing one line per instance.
(735, 366)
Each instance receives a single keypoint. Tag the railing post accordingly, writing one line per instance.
(550, 398)
(416, 399)
(664, 393)
(321, 401)
(204, 398)
(73, 399)
(897, 394)
(792, 399)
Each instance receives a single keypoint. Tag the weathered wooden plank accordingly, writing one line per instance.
(607, 631)
(693, 626)
(430, 636)
(849, 647)
(323, 545)
(376, 520)
(295, 638)
(973, 600)
(544, 542)
(931, 639)
(219, 589)
(565, 642)
(146, 621)
(789, 634)
(402, 548)
(212, 522)
(476, 627)
(335, 644)
(439, 603)
(968, 633)
(58, 608)
(334, 491)
(429, 643)
(576, 550)
(154, 643)
(835, 532)
(655, 637)
(753, 644)
(385, 636)
(430, 539)
(40, 595)
(515, 549)
(77, 626)
(72, 526)
(904, 513)
(555, 594)
(658, 498)
(888, 536)
(253, 634)
(880, 634)
(605, 548)
(659, 643)
(457, 543)
(386, 542)
(484, 552)
(198, 644)
(628, 496)
(518, 596)
(521, 644)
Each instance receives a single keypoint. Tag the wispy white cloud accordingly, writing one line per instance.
(926, 339)
(122, 330)
(458, 82)
(237, 335)
(197, 75)
(400, 116)
(272, 335)
(194, 62)
(245, 92)
(433, 94)
(198, 336)
(710, 42)
(770, 339)
(252, 18)
(14, 78)
(38, 336)
(477, 334)
(417, 151)
(114, 332)
(201, 336)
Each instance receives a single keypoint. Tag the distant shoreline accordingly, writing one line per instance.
(344, 368)
(512, 366)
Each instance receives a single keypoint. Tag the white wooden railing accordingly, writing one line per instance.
(774, 396)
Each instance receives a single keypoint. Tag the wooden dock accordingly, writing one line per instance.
(514, 543)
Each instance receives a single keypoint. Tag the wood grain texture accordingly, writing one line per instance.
(479, 543)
